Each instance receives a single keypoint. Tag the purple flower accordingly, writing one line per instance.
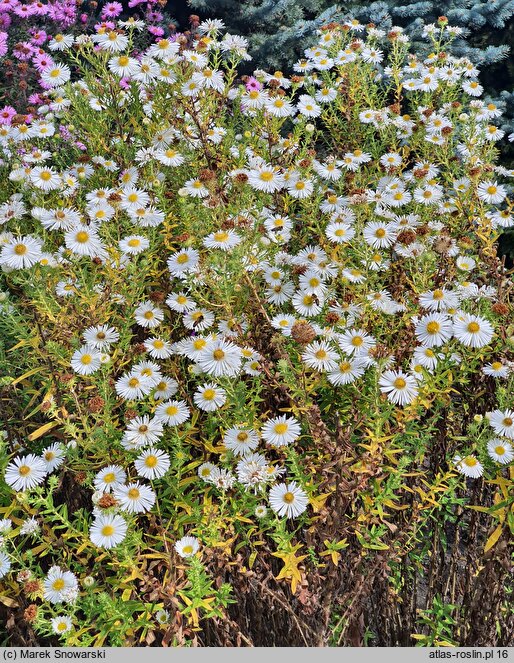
(6, 114)
(253, 84)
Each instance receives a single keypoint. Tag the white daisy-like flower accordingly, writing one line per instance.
(187, 546)
(180, 302)
(500, 451)
(45, 178)
(497, 369)
(61, 624)
(100, 337)
(56, 75)
(86, 360)
(502, 422)
(320, 356)
(209, 397)
(142, 431)
(133, 387)
(124, 66)
(241, 440)
(281, 431)
(266, 178)
(401, 388)
(283, 323)
(473, 331)
(205, 470)
(152, 463)
(165, 388)
(135, 497)
(434, 329)
(158, 348)
(347, 371)
(469, 466)
(169, 157)
(5, 563)
(222, 239)
(25, 473)
(491, 192)
(340, 232)
(379, 235)
(439, 300)
(53, 456)
(109, 478)
(172, 413)
(148, 315)
(356, 342)
(466, 263)
(133, 244)
(220, 358)
(85, 241)
(288, 499)
(21, 252)
(59, 585)
(108, 530)
(182, 262)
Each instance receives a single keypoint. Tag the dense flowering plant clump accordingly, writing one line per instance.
(257, 339)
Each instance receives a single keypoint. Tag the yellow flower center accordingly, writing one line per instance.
(242, 436)
(470, 461)
(473, 327)
(266, 176)
(496, 365)
(281, 428)
(499, 451)
(433, 327)
(133, 493)
(123, 61)
(492, 190)
(507, 421)
(380, 233)
(134, 242)
(187, 550)
(221, 236)
(24, 470)
(86, 359)
(82, 237)
(133, 382)
(107, 530)
(288, 498)
(58, 584)
(399, 383)
(218, 354)
(151, 461)
(182, 258)
(209, 394)
(320, 354)
(20, 249)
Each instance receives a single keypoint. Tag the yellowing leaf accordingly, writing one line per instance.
(493, 538)
(26, 375)
(42, 430)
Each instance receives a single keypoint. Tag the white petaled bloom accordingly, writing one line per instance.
(466, 263)
(183, 262)
(502, 422)
(124, 66)
(5, 563)
(100, 337)
(339, 232)
(158, 348)
(500, 451)
(86, 360)
(152, 463)
(469, 466)
(60, 586)
(320, 356)
(147, 315)
(133, 244)
(347, 371)
(135, 497)
(53, 456)
(133, 387)
(45, 178)
(21, 253)
(165, 388)
(169, 157)
(221, 478)
(111, 41)
(209, 397)
(195, 189)
(283, 323)
(61, 624)
(241, 440)
(187, 546)
(110, 477)
(142, 431)
(85, 241)
(491, 192)
(473, 331)
(288, 499)
(439, 300)
(222, 239)
(379, 235)
(434, 329)
(220, 358)
(204, 471)
(281, 431)
(56, 75)
(25, 473)
(308, 107)
(172, 413)
(108, 530)
(266, 178)
(162, 616)
(30, 526)
(401, 388)
(356, 341)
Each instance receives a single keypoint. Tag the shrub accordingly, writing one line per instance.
(257, 348)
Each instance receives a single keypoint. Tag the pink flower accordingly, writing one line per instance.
(155, 31)
(6, 114)
(112, 9)
(253, 84)
(41, 61)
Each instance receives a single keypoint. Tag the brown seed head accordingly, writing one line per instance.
(302, 332)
